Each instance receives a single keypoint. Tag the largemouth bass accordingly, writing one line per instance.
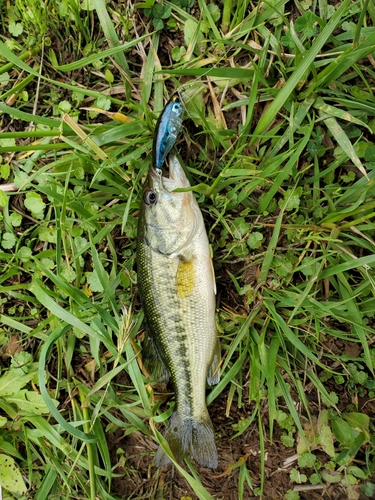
(167, 129)
(177, 286)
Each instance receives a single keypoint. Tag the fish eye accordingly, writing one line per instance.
(150, 197)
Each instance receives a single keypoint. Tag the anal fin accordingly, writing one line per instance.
(213, 374)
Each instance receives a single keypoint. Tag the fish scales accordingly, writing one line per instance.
(177, 288)
(181, 332)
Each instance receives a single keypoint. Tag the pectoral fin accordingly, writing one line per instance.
(213, 275)
(153, 361)
(213, 375)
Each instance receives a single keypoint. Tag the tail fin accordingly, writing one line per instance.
(188, 436)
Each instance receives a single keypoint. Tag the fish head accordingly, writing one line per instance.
(170, 219)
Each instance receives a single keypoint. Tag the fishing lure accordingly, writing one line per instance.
(168, 127)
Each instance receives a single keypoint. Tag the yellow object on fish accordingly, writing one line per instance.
(177, 286)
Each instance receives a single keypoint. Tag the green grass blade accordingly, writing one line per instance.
(86, 61)
(54, 412)
(293, 339)
(113, 41)
(345, 61)
(196, 485)
(325, 108)
(343, 140)
(355, 315)
(214, 72)
(8, 54)
(27, 117)
(301, 69)
(354, 263)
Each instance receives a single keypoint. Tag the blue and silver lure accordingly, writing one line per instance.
(168, 127)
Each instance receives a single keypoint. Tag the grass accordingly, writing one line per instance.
(278, 143)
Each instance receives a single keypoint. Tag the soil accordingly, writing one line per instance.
(136, 477)
(142, 480)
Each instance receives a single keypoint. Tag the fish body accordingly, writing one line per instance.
(177, 287)
(168, 127)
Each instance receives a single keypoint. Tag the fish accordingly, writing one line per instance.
(168, 127)
(177, 287)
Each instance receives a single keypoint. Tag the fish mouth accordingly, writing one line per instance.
(176, 178)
